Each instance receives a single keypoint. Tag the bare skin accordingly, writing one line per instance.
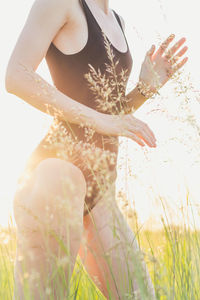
(49, 207)
(64, 23)
(110, 252)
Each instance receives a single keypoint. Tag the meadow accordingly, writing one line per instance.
(172, 256)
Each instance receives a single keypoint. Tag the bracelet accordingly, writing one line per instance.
(146, 90)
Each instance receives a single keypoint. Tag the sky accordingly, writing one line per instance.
(147, 22)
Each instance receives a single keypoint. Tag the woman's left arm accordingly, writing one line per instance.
(157, 68)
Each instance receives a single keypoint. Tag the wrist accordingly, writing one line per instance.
(81, 115)
(146, 90)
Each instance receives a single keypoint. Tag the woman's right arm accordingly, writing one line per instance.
(43, 23)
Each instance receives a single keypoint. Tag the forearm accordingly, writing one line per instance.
(32, 88)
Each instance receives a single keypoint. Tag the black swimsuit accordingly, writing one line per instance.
(95, 154)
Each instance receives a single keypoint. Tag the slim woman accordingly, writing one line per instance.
(65, 189)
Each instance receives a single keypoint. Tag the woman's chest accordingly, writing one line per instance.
(85, 25)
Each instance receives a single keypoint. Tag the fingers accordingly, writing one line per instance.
(174, 49)
(180, 65)
(141, 136)
(164, 45)
(144, 132)
(174, 68)
(138, 131)
(180, 53)
(139, 139)
(143, 128)
(134, 137)
(146, 136)
(151, 51)
(175, 58)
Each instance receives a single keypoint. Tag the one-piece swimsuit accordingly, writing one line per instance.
(97, 77)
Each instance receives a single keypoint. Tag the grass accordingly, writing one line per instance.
(172, 257)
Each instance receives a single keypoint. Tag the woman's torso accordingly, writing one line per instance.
(68, 72)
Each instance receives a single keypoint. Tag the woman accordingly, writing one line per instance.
(59, 197)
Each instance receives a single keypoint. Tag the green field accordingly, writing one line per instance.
(172, 256)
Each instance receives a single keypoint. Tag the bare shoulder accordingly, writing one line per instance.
(54, 3)
(45, 19)
(59, 8)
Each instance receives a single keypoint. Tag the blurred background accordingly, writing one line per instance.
(152, 180)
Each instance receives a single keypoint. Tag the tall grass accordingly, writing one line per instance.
(172, 256)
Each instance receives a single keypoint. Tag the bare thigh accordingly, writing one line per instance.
(111, 254)
(97, 239)
(48, 207)
(46, 191)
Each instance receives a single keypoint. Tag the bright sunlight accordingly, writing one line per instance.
(157, 188)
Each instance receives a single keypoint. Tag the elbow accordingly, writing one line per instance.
(8, 86)
(13, 77)
(9, 81)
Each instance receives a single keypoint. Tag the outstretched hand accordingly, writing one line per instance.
(158, 67)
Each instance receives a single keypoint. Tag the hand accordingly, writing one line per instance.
(159, 67)
(127, 126)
